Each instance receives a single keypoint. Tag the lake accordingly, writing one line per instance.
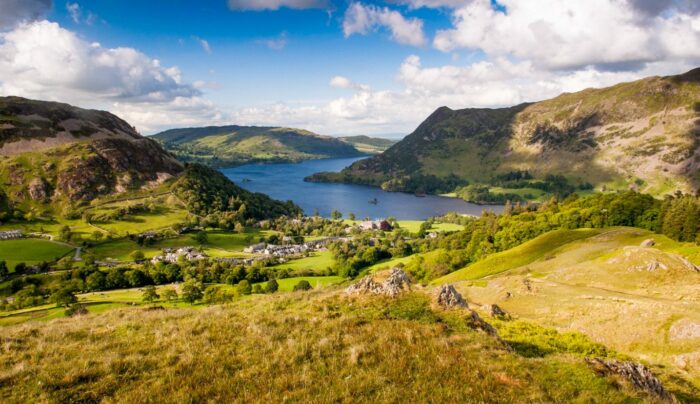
(286, 181)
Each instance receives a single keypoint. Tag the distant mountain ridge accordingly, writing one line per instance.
(643, 135)
(221, 146)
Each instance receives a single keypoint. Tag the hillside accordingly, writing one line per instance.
(221, 146)
(642, 135)
(369, 145)
(304, 346)
(55, 154)
(638, 299)
(56, 159)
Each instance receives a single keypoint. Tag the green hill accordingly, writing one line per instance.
(640, 135)
(59, 160)
(222, 146)
(369, 145)
(642, 301)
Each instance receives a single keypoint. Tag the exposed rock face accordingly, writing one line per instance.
(650, 242)
(396, 282)
(449, 298)
(38, 190)
(639, 375)
(497, 312)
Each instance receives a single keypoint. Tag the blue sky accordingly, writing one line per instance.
(332, 66)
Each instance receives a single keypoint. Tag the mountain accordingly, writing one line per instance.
(53, 152)
(369, 145)
(55, 157)
(643, 135)
(222, 146)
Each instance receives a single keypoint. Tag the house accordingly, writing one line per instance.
(255, 248)
(171, 256)
(10, 235)
(382, 225)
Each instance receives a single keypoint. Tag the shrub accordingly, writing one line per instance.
(302, 285)
(272, 286)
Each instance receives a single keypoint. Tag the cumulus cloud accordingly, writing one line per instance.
(260, 5)
(44, 61)
(362, 19)
(555, 34)
(14, 12)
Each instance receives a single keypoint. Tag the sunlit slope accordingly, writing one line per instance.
(638, 300)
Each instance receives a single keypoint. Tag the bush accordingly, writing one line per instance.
(244, 287)
(302, 285)
(272, 286)
(192, 290)
(76, 310)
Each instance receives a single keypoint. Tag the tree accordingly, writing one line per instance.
(96, 281)
(302, 285)
(244, 287)
(63, 297)
(257, 289)
(20, 268)
(4, 272)
(201, 237)
(351, 216)
(65, 233)
(149, 294)
(169, 294)
(137, 255)
(192, 290)
(336, 215)
(97, 235)
(272, 286)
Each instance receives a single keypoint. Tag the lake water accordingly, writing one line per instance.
(286, 181)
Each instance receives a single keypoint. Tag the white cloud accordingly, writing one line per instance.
(14, 12)
(41, 60)
(277, 43)
(557, 35)
(432, 3)
(74, 11)
(260, 5)
(363, 19)
(203, 43)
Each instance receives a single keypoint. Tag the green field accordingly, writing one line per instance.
(413, 226)
(31, 251)
(518, 256)
(317, 261)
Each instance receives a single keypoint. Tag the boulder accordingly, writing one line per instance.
(639, 375)
(449, 298)
(392, 285)
(650, 242)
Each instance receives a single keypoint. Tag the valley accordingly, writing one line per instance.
(106, 239)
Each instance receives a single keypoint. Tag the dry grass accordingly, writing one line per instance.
(317, 346)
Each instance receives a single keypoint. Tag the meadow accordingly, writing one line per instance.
(31, 251)
(303, 346)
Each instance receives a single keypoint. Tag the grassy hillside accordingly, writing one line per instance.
(643, 301)
(314, 346)
(369, 145)
(232, 145)
(640, 135)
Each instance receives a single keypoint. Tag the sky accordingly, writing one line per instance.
(336, 67)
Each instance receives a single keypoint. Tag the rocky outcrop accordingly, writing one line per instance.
(636, 373)
(448, 298)
(650, 242)
(380, 284)
(497, 312)
(38, 190)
